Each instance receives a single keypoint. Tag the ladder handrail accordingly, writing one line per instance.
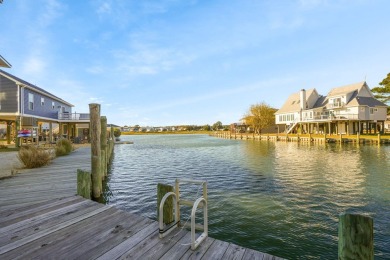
(162, 232)
(195, 205)
(195, 243)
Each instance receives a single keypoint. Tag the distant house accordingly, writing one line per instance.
(387, 124)
(26, 106)
(347, 110)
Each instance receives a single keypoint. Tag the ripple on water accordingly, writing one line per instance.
(278, 198)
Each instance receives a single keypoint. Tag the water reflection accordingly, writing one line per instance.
(279, 198)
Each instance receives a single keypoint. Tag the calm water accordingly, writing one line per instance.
(280, 198)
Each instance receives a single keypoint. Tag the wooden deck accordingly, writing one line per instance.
(41, 218)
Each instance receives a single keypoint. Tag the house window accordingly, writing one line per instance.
(30, 101)
(53, 105)
(42, 101)
(371, 110)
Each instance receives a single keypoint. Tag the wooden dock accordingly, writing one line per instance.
(307, 138)
(41, 218)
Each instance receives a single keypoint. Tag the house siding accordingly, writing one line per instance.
(8, 96)
(45, 110)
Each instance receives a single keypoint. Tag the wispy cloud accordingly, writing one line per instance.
(52, 10)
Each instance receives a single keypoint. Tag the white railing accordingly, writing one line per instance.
(73, 116)
(336, 105)
(332, 117)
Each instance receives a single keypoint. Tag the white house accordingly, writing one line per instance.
(346, 110)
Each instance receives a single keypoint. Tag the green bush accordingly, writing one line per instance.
(117, 132)
(63, 147)
(32, 157)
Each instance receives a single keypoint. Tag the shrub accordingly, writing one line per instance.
(33, 157)
(117, 132)
(63, 147)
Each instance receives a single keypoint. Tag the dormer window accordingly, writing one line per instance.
(53, 106)
(42, 101)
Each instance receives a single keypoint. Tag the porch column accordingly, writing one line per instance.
(50, 132)
(17, 129)
(9, 123)
(318, 128)
(329, 130)
(60, 130)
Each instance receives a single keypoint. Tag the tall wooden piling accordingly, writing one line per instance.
(95, 131)
(356, 237)
(103, 145)
(163, 189)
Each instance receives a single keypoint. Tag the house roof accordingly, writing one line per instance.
(366, 101)
(293, 102)
(33, 87)
(347, 89)
(4, 63)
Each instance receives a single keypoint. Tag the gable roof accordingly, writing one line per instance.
(32, 87)
(343, 90)
(4, 63)
(293, 102)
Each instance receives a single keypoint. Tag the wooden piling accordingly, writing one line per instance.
(95, 130)
(103, 145)
(84, 184)
(162, 189)
(356, 237)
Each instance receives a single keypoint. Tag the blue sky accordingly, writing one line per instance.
(172, 62)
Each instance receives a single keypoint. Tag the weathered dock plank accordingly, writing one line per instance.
(40, 217)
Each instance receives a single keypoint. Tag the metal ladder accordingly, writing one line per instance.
(199, 202)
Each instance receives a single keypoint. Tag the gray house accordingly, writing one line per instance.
(24, 106)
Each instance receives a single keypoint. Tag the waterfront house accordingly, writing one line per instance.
(24, 106)
(345, 110)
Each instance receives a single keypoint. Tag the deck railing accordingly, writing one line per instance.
(73, 116)
(332, 117)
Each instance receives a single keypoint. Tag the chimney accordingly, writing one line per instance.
(302, 99)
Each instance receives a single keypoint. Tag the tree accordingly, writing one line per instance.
(217, 125)
(260, 116)
(382, 92)
(206, 128)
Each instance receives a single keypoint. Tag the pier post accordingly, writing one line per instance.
(356, 237)
(84, 184)
(103, 145)
(95, 129)
(379, 138)
(163, 189)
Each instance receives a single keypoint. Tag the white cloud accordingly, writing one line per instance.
(34, 65)
(104, 8)
(52, 10)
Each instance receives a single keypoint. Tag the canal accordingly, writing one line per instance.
(280, 198)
